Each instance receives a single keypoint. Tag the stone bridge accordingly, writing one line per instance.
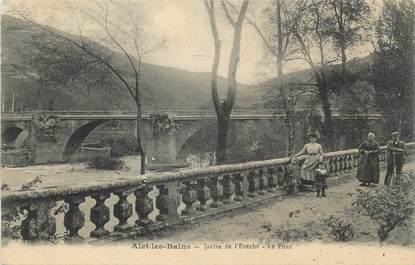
(159, 200)
(58, 136)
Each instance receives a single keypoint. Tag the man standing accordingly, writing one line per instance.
(396, 152)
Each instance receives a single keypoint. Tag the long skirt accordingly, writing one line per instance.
(368, 169)
(307, 169)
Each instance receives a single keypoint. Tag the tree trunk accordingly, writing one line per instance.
(221, 140)
(223, 111)
(328, 119)
(38, 99)
(343, 55)
(139, 145)
(286, 103)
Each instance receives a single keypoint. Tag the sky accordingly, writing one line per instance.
(183, 24)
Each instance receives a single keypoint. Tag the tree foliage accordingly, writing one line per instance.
(393, 67)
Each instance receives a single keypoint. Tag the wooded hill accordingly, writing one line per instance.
(164, 87)
(95, 88)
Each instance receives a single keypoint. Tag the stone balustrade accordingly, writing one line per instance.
(164, 199)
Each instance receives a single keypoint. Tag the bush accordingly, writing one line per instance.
(106, 163)
(341, 231)
(8, 147)
(121, 146)
(292, 234)
(389, 207)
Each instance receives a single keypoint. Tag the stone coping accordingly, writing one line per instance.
(155, 179)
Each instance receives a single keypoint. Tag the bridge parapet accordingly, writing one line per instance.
(178, 114)
(203, 192)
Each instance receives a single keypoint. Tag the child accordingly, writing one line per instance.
(320, 180)
(291, 175)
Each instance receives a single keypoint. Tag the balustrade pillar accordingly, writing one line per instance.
(216, 191)
(39, 224)
(168, 201)
(203, 193)
(189, 197)
(123, 210)
(228, 188)
(143, 206)
(74, 219)
(100, 215)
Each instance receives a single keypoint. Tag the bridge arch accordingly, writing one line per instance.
(190, 131)
(77, 138)
(10, 134)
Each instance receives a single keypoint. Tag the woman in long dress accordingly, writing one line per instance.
(368, 169)
(314, 155)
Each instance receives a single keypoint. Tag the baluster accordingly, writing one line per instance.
(168, 201)
(261, 182)
(203, 193)
(74, 219)
(355, 160)
(39, 224)
(100, 215)
(331, 165)
(382, 157)
(240, 186)
(270, 179)
(345, 168)
(341, 165)
(336, 166)
(346, 164)
(351, 163)
(252, 184)
(143, 206)
(189, 197)
(216, 191)
(228, 189)
(280, 175)
(122, 210)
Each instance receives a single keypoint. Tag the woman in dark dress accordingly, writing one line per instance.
(368, 170)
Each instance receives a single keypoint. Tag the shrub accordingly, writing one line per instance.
(121, 146)
(11, 222)
(292, 234)
(338, 229)
(389, 207)
(10, 146)
(106, 163)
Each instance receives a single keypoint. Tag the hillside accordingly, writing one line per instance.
(164, 87)
(98, 89)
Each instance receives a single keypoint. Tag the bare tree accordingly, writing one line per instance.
(224, 109)
(310, 27)
(319, 29)
(115, 31)
(276, 37)
(350, 19)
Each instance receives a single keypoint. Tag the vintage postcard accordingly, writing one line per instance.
(207, 132)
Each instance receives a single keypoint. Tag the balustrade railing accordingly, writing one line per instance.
(143, 204)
